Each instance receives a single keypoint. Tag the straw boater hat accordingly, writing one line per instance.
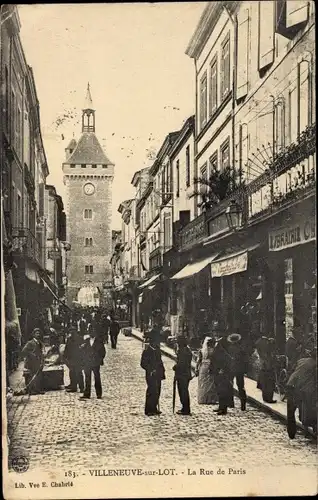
(234, 338)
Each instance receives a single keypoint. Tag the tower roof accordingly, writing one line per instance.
(88, 104)
(88, 151)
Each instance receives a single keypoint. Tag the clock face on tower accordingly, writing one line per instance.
(89, 188)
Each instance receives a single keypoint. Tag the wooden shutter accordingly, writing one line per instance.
(242, 53)
(266, 33)
(296, 12)
(303, 95)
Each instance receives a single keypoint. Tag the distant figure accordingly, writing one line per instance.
(82, 325)
(183, 374)
(222, 364)
(114, 330)
(32, 353)
(152, 363)
(93, 354)
(72, 357)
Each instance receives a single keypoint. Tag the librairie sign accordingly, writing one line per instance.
(290, 236)
(231, 265)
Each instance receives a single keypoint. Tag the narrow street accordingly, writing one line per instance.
(57, 430)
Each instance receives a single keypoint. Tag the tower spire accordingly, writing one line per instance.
(88, 99)
(88, 115)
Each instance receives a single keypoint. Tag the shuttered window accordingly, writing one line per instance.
(266, 33)
(188, 169)
(279, 126)
(293, 114)
(225, 68)
(242, 53)
(203, 100)
(296, 12)
(213, 100)
(244, 169)
(303, 69)
(177, 178)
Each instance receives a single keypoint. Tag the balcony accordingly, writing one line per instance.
(26, 245)
(291, 176)
(155, 259)
(193, 233)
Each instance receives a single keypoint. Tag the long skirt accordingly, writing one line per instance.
(207, 394)
(224, 386)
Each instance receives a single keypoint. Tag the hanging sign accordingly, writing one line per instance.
(232, 265)
(298, 234)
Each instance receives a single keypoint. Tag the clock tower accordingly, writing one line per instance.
(88, 177)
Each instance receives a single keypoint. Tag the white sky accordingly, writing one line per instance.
(133, 56)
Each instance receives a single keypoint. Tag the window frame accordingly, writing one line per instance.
(225, 145)
(203, 100)
(213, 63)
(188, 166)
(177, 178)
(88, 211)
(225, 93)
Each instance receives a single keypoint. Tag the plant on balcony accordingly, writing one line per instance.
(219, 186)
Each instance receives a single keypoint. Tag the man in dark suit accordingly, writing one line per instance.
(114, 330)
(93, 353)
(32, 353)
(152, 363)
(72, 357)
(183, 374)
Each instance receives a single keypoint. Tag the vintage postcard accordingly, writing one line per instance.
(158, 250)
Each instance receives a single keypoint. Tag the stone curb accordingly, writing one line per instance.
(255, 402)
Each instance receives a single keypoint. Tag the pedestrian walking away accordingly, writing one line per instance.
(223, 375)
(152, 363)
(114, 330)
(266, 350)
(33, 356)
(93, 354)
(183, 374)
(239, 355)
(73, 360)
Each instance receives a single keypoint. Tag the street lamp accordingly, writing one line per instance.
(234, 215)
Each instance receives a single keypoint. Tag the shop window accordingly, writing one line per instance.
(288, 292)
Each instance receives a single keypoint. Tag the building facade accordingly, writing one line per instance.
(88, 176)
(24, 171)
(243, 211)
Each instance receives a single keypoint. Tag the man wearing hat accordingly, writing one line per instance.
(72, 357)
(32, 353)
(152, 363)
(239, 364)
(183, 374)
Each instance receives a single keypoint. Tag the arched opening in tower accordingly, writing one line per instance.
(88, 296)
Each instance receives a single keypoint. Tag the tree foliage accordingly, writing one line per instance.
(219, 186)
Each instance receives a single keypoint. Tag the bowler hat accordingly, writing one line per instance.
(234, 338)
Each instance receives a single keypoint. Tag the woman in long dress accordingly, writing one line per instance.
(206, 386)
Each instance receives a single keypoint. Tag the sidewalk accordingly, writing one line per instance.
(254, 395)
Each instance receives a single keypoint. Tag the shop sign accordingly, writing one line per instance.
(232, 265)
(300, 233)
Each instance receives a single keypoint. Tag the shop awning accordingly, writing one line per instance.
(151, 280)
(231, 263)
(54, 294)
(194, 267)
(151, 287)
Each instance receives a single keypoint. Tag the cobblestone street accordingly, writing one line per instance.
(58, 430)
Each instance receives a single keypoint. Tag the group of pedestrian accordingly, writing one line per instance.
(151, 362)
(84, 352)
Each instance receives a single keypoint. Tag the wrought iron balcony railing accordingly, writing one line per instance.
(193, 233)
(25, 244)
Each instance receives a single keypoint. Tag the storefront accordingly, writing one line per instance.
(292, 258)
